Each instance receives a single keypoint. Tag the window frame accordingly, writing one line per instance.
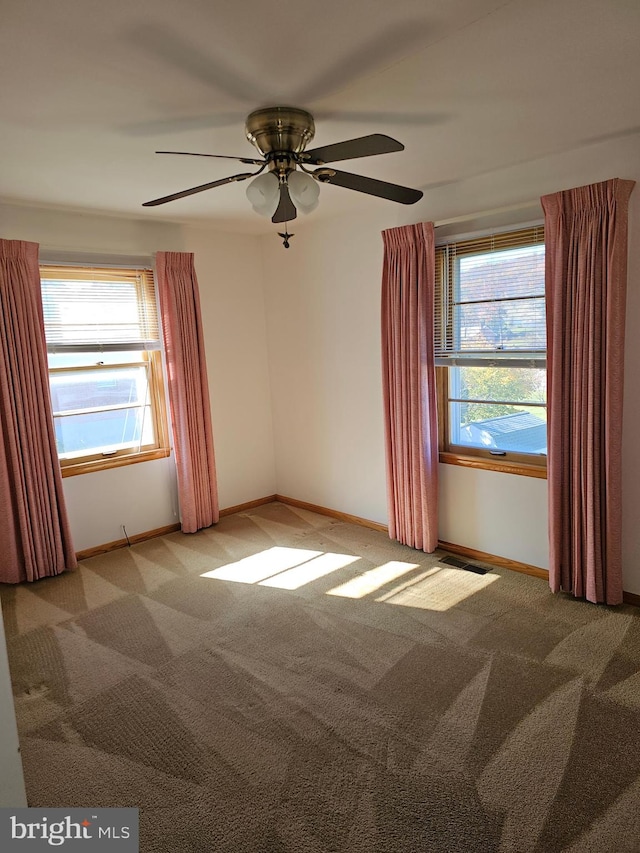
(152, 360)
(510, 462)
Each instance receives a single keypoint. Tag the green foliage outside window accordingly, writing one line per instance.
(519, 385)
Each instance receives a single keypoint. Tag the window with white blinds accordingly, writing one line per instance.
(490, 299)
(105, 366)
(100, 309)
(490, 348)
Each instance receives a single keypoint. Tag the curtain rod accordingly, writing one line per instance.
(466, 217)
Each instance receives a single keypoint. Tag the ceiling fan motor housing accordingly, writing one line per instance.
(280, 129)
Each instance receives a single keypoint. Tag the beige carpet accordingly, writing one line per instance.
(287, 683)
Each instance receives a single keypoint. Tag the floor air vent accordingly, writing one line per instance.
(460, 564)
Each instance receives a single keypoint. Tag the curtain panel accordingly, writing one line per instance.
(409, 388)
(586, 276)
(35, 538)
(188, 390)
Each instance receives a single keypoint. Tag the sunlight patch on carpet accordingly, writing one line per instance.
(310, 571)
(372, 580)
(438, 589)
(264, 565)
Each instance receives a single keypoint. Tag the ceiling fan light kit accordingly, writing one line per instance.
(281, 135)
(304, 191)
(264, 193)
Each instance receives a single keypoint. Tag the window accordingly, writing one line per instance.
(105, 366)
(491, 351)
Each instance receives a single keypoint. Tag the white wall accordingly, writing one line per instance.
(498, 513)
(323, 314)
(143, 496)
(229, 269)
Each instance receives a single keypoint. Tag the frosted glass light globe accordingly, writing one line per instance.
(304, 191)
(264, 194)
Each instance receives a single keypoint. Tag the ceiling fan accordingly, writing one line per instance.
(289, 184)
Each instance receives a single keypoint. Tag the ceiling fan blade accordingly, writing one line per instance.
(201, 188)
(371, 186)
(382, 117)
(155, 127)
(218, 156)
(391, 43)
(164, 43)
(363, 146)
(286, 211)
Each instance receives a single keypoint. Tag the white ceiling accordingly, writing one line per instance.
(90, 88)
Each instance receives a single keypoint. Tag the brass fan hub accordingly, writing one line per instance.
(286, 129)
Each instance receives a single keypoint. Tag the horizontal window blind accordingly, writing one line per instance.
(490, 300)
(88, 309)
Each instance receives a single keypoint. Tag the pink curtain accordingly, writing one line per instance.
(586, 276)
(411, 424)
(188, 390)
(35, 540)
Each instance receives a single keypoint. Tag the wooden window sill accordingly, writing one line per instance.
(499, 464)
(90, 466)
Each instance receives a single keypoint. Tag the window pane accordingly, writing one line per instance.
(511, 272)
(510, 325)
(100, 432)
(107, 386)
(516, 429)
(511, 384)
